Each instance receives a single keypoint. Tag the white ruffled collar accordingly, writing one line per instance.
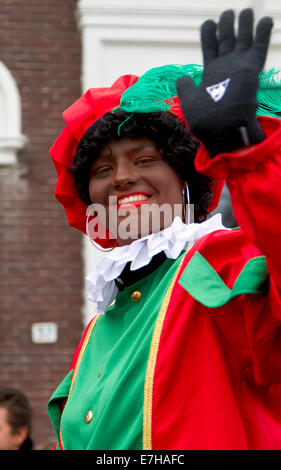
(172, 241)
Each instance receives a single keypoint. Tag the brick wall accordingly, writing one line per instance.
(40, 260)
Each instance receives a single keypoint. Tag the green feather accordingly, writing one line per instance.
(157, 86)
(155, 89)
(269, 93)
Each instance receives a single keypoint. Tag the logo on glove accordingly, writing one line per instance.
(217, 91)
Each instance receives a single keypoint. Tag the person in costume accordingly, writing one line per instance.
(185, 352)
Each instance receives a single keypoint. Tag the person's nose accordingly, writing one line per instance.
(125, 174)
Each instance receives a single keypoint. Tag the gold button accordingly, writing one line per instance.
(88, 417)
(136, 296)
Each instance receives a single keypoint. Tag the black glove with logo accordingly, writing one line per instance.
(221, 112)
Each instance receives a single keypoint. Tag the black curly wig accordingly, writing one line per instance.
(174, 141)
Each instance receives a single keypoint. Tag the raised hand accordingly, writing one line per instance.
(221, 112)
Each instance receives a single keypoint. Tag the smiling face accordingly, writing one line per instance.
(131, 173)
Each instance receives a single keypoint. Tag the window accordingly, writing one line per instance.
(11, 138)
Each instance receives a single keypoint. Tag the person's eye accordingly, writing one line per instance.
(102, 171)
(146, 160)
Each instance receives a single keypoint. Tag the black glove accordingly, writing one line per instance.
(221, 112)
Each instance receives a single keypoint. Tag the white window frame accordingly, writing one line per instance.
(11, 138)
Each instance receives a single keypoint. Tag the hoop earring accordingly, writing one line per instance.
(186, 203)
(95, 244)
